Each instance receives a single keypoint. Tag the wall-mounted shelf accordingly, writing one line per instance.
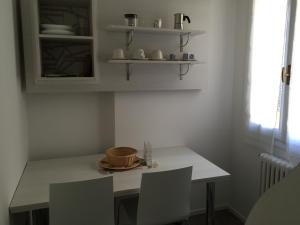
(120, 28)
(130, 31)
(65, 37)
(129, 62)
(69, 80)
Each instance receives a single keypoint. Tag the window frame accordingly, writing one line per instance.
(280, 140)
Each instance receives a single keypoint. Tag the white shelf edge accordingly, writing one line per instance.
(64, 37)
(120, 28)
(46, 79)
(153, 62)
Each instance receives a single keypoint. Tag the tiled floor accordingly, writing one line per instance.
(223, 217)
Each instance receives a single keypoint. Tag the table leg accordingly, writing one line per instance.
(210, 203)
(117, 211)
(30, 217)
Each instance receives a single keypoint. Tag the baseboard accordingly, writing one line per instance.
(237, 214)
(203, 210)
(219, 208)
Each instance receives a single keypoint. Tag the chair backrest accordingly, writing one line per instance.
(164, 197)
(280, 204)
(80, 203)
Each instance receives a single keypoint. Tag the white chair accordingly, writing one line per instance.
(82, 203)
(164, 198)
(280, 204)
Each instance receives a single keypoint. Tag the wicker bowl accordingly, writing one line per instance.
(121, 156)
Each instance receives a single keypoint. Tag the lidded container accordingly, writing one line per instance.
(131, 20)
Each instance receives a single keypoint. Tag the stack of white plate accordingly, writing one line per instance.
(56, 29)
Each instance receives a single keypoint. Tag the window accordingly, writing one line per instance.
(275, 45)
(294, 103)
(267, 52)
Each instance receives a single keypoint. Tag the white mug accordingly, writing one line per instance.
(139, 54)
(118, 54)
(157, 54)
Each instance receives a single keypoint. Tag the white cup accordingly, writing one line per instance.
(118, 54)
(157, 55)
(139, 54)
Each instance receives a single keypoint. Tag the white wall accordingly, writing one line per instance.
(13, 141)
(200, 120)
(76, 124)
(62, 125)
(245, 164)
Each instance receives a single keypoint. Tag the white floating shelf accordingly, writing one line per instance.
(151, 30)
(74, 80)
(123, 61)
(128, 63)
(65, 37)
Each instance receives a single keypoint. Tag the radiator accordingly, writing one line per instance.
(272, 170)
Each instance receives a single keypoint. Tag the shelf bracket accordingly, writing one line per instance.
(181, 72)
(182, 44)
(129, 38)
(128, 72)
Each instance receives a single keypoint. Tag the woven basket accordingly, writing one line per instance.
(121, 156)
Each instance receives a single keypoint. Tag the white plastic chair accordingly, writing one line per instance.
(82, 203)
(164, 198)
(280, 204)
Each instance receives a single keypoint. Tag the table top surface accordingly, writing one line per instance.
(33, 189)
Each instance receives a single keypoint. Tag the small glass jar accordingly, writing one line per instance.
(131, 20)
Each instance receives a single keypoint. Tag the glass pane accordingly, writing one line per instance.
(294, 104)
(267, 51)
(66, 58)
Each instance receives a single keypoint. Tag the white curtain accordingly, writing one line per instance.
(268, 39)
(266, 58)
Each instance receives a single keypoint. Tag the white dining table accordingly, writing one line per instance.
(32, 192)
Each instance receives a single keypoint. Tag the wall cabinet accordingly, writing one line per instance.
(59, 55)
